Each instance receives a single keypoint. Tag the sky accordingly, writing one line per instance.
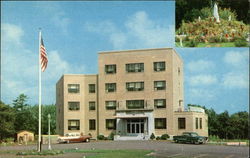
(74, 32)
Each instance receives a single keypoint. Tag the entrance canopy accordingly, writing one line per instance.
(135, 116)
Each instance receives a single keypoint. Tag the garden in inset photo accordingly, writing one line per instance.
(212, 23)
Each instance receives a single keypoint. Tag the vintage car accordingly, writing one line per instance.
(190, 137)
(74, 137)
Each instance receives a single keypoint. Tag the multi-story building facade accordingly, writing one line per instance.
(136, 93)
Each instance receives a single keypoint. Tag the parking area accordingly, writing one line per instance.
(160, 149)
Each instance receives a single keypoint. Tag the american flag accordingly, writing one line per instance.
(44, 58)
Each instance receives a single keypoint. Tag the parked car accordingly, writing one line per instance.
(190, 137)
(74, 137)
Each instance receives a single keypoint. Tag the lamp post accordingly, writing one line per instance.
(49, 146)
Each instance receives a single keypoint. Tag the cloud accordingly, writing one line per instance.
(235, 80)
(20, 68)
(200, 65)
(236, 58)
(149, 32)
(140, 32)
(197, 94)
(56, 14)
(11, 33)
(238, 77)
(61, 21)
(201, 80)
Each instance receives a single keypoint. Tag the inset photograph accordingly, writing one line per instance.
(212, 23)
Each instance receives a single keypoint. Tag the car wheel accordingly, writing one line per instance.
(87, 140)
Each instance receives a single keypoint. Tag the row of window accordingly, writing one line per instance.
(75, 124)
(197, 123)
(160, 123)
(182, 123)
(75, 88)
(112, 104)
(111, 87)
(135, 86)
(135, 67)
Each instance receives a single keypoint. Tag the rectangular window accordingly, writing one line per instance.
(91, 88)
(73, 124)
(200, 123)
(111, 124)
(91, 105)
(159, 66)
(110, 87)
(91, 124)
(110, 105)
(74, 106)
(135, 104)
(196, 123)
(110, 69)
(135, 86)
(181, 123)
(135, 67)
(73, 88)
(159, 85)
(160, 103)
(160, 123)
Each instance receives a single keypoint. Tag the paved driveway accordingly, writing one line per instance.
(161, 148)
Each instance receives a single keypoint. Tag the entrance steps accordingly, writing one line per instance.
(138, 137)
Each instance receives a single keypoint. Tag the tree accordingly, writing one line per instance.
(49, 109)
(224, 125)
(6, 121)
(23, 115)
(227, 126)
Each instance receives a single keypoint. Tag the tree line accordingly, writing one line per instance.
(226, 126)
(21, 116)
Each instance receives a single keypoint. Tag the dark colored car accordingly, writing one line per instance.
(190, 137)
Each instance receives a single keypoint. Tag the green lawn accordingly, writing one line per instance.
(228, 44)
(120, 154)
(90, 153)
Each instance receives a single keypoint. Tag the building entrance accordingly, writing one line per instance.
(135, 126)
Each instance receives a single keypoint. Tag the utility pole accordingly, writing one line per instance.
(49, 146)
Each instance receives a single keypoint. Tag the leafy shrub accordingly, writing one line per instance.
(100, 137)
(152, 137)
(206, 12)
(158, 138)
(111, 136)
(226, 12)
(191, 43)
(164, 137)
(240, 43)
(223, 13)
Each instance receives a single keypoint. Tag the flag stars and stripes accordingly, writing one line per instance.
(44, 58)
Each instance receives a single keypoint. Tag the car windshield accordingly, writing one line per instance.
(194, 134)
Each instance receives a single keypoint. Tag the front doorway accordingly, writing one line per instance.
(135, 126)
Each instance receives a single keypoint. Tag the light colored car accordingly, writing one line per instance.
(74, 137)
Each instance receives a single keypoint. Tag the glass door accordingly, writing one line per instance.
(135, 126)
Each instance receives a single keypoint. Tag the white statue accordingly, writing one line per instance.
(199, 19)
(229, 18)
(216, 14)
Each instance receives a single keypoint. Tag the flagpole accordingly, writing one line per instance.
(40, 97)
